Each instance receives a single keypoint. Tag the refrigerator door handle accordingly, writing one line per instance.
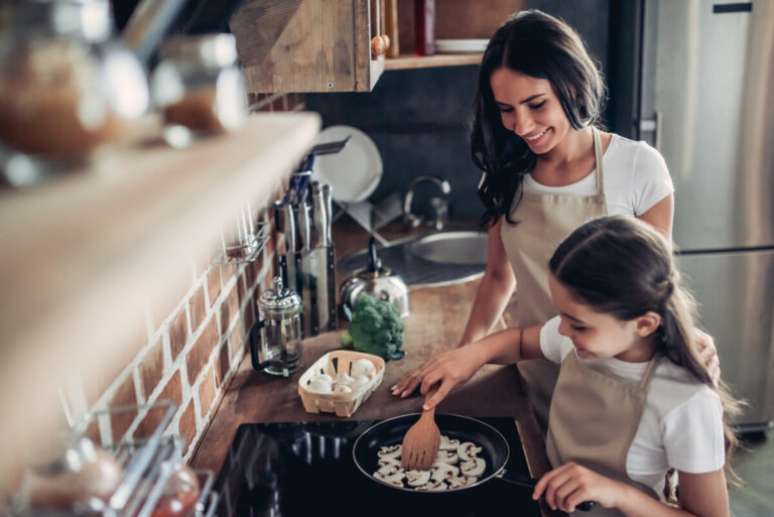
(653, 126)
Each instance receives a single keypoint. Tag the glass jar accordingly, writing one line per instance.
(65, 85)
(280, 349)
(199, 85)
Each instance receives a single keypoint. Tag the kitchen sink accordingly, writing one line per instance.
(433, 260)
(466, 248)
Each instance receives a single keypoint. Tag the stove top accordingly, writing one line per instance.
(306, 468)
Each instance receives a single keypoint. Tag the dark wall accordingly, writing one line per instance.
(420, 119)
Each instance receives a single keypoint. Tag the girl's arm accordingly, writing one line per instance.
(701, 495)
(454, 367)
(492, 296)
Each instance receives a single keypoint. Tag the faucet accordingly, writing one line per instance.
(440, 205)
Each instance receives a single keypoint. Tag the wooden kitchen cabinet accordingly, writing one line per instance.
(308, 45)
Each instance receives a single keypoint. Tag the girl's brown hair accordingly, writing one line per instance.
(623, 267)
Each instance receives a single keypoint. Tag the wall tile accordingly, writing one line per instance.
(152, 367)
(178, 333)
(120, 421)
(213, 284)
(207, 391)
(198, 308)
(173, 391)
(201, 350)
(187, 424)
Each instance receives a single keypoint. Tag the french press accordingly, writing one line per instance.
(278, 350)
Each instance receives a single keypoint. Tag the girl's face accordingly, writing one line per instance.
(530, 108)
(602, 335)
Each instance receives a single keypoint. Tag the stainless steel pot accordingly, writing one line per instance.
(377, 281)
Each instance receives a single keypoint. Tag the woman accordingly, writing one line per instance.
(546, 170)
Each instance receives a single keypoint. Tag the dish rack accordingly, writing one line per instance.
(148, 461)
(332, 364)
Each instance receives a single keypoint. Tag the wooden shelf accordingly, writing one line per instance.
(82, 256)
(409, 61)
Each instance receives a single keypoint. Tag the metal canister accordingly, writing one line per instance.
(280, 320)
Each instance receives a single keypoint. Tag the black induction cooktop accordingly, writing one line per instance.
(306, 469)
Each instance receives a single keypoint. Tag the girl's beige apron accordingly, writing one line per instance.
(544, 220)
(593, 420)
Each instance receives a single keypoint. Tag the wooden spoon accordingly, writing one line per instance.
(421, 443)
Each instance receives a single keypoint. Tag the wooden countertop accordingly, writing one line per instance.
(437, 320)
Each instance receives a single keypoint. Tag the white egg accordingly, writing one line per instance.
(363, 367)
(361, 383)
(320, 385)
(342, 388)
(324, 377)
(342, 379)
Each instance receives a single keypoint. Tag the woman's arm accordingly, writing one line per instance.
(661, 216)
(493, 292)
(565, 487)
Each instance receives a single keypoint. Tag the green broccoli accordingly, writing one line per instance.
(376, 328)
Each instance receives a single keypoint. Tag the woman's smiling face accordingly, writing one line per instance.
(530, 108)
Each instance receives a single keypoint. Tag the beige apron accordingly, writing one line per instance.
(544, 220)
(593, 419)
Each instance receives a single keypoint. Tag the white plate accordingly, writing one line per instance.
(353, 173)
(461, 45)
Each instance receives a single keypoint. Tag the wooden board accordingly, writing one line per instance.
(82, 254)
(305, 45)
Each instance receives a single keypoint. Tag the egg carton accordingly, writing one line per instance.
(334, 364)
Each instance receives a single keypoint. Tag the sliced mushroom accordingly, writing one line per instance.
(417, 478)
(449, 444)
(391, 451)
(448, 457)
(433, 486)
(444, 471)
(395, 479)
(467, 451)
(389, 469)
(474, 467)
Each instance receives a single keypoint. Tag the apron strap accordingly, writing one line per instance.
(598, 158)
(650, 370)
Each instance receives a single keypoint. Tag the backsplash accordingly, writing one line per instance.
(190, 345)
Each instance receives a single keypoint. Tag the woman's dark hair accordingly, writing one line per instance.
(621, 266)
(539, 45)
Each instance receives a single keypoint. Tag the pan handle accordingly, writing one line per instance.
(585, 506)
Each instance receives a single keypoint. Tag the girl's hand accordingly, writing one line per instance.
(449, 368)
(571, 484)
(408, 383)
(708, 354)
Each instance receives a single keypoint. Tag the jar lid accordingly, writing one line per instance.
(211, 50)
(90, 20)
(278, 297)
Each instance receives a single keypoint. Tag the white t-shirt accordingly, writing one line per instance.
(635, 178)
(681, 426)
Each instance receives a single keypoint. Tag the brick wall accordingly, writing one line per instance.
(191, 344)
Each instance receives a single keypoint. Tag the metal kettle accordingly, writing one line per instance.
(377, 281)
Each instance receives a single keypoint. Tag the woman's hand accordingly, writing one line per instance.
(449, 369)
(571, 484)
(708, 354)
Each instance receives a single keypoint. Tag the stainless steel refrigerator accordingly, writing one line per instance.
(707, 104)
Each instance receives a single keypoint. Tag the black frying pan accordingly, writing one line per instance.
(494, 448)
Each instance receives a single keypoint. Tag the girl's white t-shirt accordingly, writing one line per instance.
(635, 178)
(681, 426)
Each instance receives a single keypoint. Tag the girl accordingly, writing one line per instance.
(633, 398)
(546, 170)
